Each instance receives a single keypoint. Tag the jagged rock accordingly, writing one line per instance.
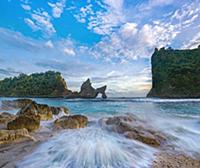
(6, 117)
(31, 123)
(30, 107)
(71, 122)
(9, 136)
(133, 128)
(102, 90)
(45, 112)
(28, 117)
(87, 91)
(15, 104)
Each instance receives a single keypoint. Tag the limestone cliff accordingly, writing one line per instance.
(175, 73)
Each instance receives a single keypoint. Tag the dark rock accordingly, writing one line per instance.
(102, 91)
(71, 122)
(87, 91)
(133, 128)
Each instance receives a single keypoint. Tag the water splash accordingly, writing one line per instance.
(89, 148)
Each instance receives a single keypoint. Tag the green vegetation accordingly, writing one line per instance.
(48, 84)
(175, 73)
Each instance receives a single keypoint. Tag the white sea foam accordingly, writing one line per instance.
(89, 148)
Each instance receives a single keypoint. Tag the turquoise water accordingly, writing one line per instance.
(93, 147)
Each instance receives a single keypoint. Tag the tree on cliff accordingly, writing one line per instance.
(49, 84)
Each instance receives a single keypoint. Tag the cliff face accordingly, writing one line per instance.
(175, 73)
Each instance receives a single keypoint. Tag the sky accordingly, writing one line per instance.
(108, 41)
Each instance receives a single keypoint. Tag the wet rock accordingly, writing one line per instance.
(31, 123)
(58, 110)
(71, 122)
(6, 117)
(44, 111)
(133, 128)
(9, 136)
(28, 117)
(15, 104)
(175, 160)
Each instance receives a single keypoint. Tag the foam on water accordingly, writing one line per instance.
(91, 147)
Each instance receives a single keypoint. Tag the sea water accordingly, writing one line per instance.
(93, 147)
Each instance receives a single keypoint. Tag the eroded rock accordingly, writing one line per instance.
(6, 117)
(9, 136)
(71, 122)
(31, 123)
(133, 128)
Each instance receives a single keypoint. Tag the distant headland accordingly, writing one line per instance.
(48, 84)
(175, 73)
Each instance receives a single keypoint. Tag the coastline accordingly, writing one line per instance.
(165, 155)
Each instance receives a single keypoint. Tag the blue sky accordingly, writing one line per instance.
(109, 41)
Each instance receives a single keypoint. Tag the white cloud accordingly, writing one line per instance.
(193, 43)
(30, 23)
(41, 20)
(160, 2)
(105, 20)
(69, 51)
(132, 40)
(49, 44)
(57, 8)
(26, 7)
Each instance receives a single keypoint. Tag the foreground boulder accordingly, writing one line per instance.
(71, 122)
(133, 128)
(31, 123)
(30, 107)
(28, 117)
(8, 136)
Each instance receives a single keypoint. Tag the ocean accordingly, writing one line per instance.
(94, 147)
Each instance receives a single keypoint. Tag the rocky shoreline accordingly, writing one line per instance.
(35, 123)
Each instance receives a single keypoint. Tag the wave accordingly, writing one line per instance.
(90, 147)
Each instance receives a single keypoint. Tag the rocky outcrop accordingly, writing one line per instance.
(46, 112)
(175, 73)
(9, 136)
(71, 122)
(6, 117)
(31, 123)
(133, 128)
(48, 84)
(87, 91)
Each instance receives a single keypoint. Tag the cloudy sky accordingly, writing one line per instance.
(109, 41)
